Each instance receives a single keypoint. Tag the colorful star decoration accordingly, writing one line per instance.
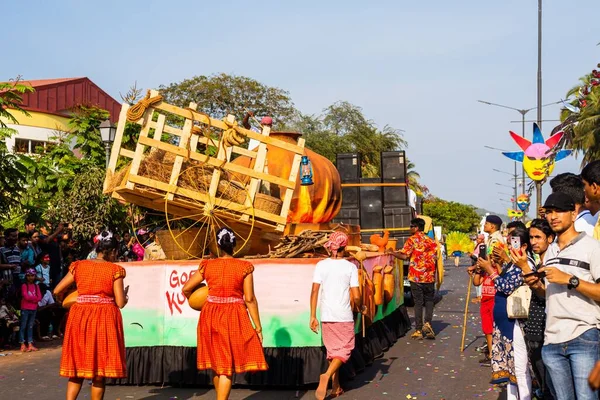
(537, 155)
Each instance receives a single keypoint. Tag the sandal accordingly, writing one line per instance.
(338, 393)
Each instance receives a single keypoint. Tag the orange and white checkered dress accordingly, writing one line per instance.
(227, 342)
(94, 344)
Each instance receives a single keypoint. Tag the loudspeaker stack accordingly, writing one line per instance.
(375, 203)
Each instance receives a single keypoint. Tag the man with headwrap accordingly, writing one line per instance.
(337, 279)
(422, 252)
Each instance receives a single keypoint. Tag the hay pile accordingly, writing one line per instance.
(158, 165)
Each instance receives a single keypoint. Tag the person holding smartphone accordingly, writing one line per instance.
(541, 237)
(509, 352)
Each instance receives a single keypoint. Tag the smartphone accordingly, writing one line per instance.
(483, 251)
(126, 289)
(515, 242)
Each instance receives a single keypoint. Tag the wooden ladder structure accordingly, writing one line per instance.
(182, 143)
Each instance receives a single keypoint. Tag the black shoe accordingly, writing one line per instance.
(428, 331)
(486, 361)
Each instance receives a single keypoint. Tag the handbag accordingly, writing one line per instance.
(517, 304)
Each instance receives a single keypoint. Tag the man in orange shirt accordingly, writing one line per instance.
(421, 250)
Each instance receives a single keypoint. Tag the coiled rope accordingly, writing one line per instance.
(137, 110)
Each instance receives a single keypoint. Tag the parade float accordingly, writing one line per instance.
(279, 199)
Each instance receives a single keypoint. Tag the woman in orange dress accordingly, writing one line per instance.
(227, 342)
(94, 346)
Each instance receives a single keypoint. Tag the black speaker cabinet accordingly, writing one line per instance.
(348, 165)
(400, 240)
(393, 166)
(397, 217)
(371, 204)
(351, 197)
(395, 196)
(349, 216)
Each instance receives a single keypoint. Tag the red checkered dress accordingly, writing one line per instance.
(227, 341)
(94, 344)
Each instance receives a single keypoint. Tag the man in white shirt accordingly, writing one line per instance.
(337, 279)
(572, 290)
(572, 185)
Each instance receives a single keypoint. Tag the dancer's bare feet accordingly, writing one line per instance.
(321, 391)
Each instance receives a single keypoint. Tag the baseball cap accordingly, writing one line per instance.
(493, 219)
(560, 202)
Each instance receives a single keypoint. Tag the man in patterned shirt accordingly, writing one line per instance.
(421, 250)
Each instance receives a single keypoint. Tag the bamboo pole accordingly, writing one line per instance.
(364, 279)
(464, 332)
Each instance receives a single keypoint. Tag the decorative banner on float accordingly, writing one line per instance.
(158, 314)
(536, 156)
(523, 202)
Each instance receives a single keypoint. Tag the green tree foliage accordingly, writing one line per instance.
(11, 98)
(222, 94)
(85, 133)
(452, 216)
(86, 207)
(581, 120)
(12, 170)
(343, 128)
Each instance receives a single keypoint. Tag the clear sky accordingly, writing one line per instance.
(415, 65)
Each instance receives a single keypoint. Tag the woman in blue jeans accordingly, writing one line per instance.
(30, 296)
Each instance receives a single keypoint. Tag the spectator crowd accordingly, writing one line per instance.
(33, 261)
(540, 292)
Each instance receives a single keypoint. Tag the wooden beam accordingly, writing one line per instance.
(289, 193)
(259, 166)
(127, 153)
(223, 126)
(183, 144)
(139, 149)
(216, 163)
(114, 155)
(221, 155)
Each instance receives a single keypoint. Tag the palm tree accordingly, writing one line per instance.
(581, 120)
(412, 177)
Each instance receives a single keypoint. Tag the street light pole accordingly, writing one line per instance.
(516, 182)
(538, 184)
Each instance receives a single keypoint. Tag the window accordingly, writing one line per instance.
(28, 146)
(21, 146)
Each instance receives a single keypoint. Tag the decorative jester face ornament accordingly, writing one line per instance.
(514, 214)
(523, 202)
(537, 155)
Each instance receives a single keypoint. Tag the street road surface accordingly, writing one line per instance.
(409, 370)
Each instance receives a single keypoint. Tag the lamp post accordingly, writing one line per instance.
(516, 180)
(107, 133)
(515, 176)
(523, 112)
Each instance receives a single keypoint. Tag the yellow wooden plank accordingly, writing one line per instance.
(194, 137)
(222, 125)
(127, 153)
(244, 152)
(114, 155)
(159, 127)
(289, 193)
(259, 166)
(139, 148)
(217, 163)
(221, 155)
(183, 144)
